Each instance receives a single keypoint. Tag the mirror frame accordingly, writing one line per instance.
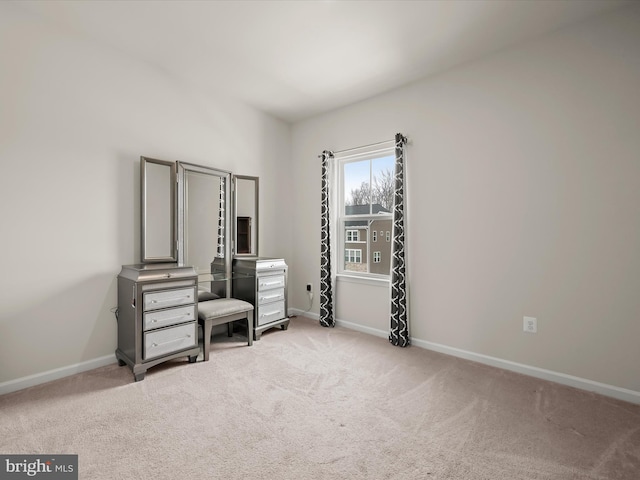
(144, 219)
(183, 170)
(255, 227)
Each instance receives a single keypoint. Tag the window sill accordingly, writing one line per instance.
(362, 280)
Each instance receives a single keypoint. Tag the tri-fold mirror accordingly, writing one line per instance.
(196, 215)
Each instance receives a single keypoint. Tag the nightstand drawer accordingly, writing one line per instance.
(269, 296)
(169, 298)
(172, 316)
(269, 282)
(272, 265)
(168, 340)
(270, 312)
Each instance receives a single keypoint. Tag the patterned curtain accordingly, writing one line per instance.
(221, 211)
(326, 278)
(399, 331)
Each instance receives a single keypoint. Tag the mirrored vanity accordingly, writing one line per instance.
(199, 243)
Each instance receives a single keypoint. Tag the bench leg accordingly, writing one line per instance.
(206, 338)
(250, 328)
(230, 329)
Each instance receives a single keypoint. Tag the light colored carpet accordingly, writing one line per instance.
(318, 403)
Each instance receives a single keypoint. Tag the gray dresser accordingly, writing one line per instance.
(157, 315)
(262, 282)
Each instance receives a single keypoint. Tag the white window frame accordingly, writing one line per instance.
(377, 256)
(357, 255)
(357, 155)
(374, 237)
(350, 236)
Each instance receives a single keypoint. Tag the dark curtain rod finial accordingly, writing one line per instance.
(329, 153)
(405, 140)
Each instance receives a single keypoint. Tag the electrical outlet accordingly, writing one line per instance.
(309, 288)
(530, 324)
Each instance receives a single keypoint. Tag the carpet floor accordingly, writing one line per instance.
(319, 403)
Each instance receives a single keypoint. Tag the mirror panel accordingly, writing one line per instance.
(204, 225)
(202, 200)
(157, 213)
(246, 194)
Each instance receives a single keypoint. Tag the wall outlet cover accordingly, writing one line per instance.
(530, 324)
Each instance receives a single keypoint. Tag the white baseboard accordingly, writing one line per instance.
(44, 377)
(582, 383)
(557, 377)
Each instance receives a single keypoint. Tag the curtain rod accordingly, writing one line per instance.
(341, 152)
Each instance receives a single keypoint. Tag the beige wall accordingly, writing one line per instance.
(523, 180)
(74, 120)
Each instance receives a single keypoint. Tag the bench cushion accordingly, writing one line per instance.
(222, 307)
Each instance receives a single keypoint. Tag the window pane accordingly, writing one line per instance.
(380, 262)
(356, 187)
(356, 246)
(369, 182)
(382, 183)
(361, 255)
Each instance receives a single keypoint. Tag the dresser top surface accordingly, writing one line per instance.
(142, 272)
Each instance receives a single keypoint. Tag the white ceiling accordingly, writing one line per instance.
(295, 59)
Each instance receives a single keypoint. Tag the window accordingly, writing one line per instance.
(366, 186)
(388, 236)
(352, 236)
(353, 255)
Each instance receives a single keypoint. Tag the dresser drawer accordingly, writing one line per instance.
(169, 298)
(269, 282)
(270, 312)
(172, 316)
(271, 265)
(168, 340)
(269, 296)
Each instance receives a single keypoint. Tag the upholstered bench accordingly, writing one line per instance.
(223, 310)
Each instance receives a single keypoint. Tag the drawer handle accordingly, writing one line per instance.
(171, 299)
(269, 297)
(269, 314)
(161, 344)
(168, 319)
(267, 284)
